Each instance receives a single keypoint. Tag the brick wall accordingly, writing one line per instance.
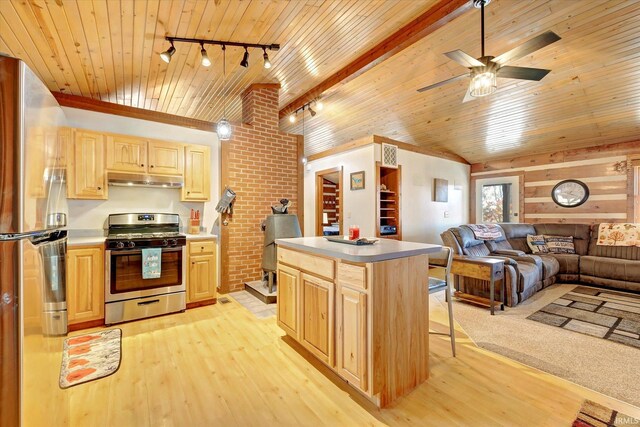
(262, 168)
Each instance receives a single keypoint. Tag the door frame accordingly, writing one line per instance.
(516, 179)
(319, 200)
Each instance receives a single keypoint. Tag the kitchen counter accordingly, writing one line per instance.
(201, 236)
(361, 310)
(382, 250)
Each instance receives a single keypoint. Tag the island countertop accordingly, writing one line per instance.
(382, 250)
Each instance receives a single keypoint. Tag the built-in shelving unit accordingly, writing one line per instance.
(388, 182)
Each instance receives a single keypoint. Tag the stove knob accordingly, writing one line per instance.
(120, 245)
(132, 244)
(174, 242)
(165, 242)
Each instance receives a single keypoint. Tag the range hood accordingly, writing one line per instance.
(143, 180)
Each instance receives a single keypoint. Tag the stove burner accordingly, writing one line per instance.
(143, 235)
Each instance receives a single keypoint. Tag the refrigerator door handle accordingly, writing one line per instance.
(9, 237)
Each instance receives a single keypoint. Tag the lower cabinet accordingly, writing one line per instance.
(85, 284)
(288, 305)
(202, 280)
(351, 324)
(318, 317)
(329, 316)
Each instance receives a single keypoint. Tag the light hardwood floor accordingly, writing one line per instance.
(220, 366)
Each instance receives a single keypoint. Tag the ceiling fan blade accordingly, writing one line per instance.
(444, 82)
(527, 47)
(464, 59)
(523, 73)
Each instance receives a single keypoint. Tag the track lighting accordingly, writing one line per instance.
(319, 105)
(313, 113)
(292, 118)
(205, 61)
(267, 63)
(245, 59)
(167, 54)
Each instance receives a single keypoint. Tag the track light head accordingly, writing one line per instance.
(167, 54)
(205, 61)
(292, 117)
(313, 113)
(319, 105)
(267, 63)
(245, 59)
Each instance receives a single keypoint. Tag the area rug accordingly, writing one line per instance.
(90, 357)
(601, 313)
(598, 364)
(593, 414)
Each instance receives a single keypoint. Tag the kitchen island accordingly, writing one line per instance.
(362, 310)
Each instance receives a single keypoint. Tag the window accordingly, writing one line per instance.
(496, 203)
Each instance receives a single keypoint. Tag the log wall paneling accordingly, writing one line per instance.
(609, 172)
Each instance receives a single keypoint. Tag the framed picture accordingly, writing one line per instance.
(357, 180)
(440, 190)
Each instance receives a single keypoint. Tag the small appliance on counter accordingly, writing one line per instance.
(130, 237)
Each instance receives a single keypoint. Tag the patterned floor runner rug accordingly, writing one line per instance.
(602, 313)
(90, 357)
(594, 415)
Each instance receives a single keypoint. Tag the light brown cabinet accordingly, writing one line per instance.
(86, 175)
(318, 317)
(288, 306)
(126, 154)
(202, 280)
(352, 340)
(85, 284)
(166, 158)
(197, 174)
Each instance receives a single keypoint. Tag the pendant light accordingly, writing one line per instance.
(223, 129)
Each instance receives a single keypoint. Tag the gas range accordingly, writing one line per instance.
(129, 231)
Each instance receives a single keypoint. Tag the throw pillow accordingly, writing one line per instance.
(537, 244)
(560, 244)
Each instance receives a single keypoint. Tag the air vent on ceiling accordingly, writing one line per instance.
(389, 155)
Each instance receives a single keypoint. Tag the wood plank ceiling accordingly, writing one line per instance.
(109, 50)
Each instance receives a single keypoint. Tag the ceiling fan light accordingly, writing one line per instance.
(223, 129)
(483, 84)
(167, 54)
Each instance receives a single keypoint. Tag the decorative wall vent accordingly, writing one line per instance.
(389, 155)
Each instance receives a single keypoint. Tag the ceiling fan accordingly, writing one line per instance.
(485, 69)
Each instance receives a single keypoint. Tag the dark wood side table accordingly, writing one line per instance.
(490, 269)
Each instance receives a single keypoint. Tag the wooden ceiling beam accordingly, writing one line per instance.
(74, 101)
(436, 17)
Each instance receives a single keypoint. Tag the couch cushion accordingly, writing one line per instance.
(580, 233)
(530, 277)
(610, 268)
(560, 244)
(468, 243)
(620, 252)
(516, 234)
(537, 244)
(550, 266)
(567, 263)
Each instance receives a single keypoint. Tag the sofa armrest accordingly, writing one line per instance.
(509, 252)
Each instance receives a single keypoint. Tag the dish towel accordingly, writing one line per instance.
(151, 263)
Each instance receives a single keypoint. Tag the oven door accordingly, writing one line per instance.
(123, 274)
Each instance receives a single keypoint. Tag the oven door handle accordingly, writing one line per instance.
(139, 251)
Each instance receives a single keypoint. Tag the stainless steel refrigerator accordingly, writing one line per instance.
(32, 240)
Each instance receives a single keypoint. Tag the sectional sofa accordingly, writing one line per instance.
(525, 273)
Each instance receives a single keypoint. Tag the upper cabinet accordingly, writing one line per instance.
(86, 176)
(166, 158)
(126, 154)
(197, 176)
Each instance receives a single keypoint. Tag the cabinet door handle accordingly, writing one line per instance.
(142, 165)
(188, 192)
(99, 188)
(151, 166)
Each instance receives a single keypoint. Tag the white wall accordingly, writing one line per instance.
(423, 219)
(359, 206)
(91, 214)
